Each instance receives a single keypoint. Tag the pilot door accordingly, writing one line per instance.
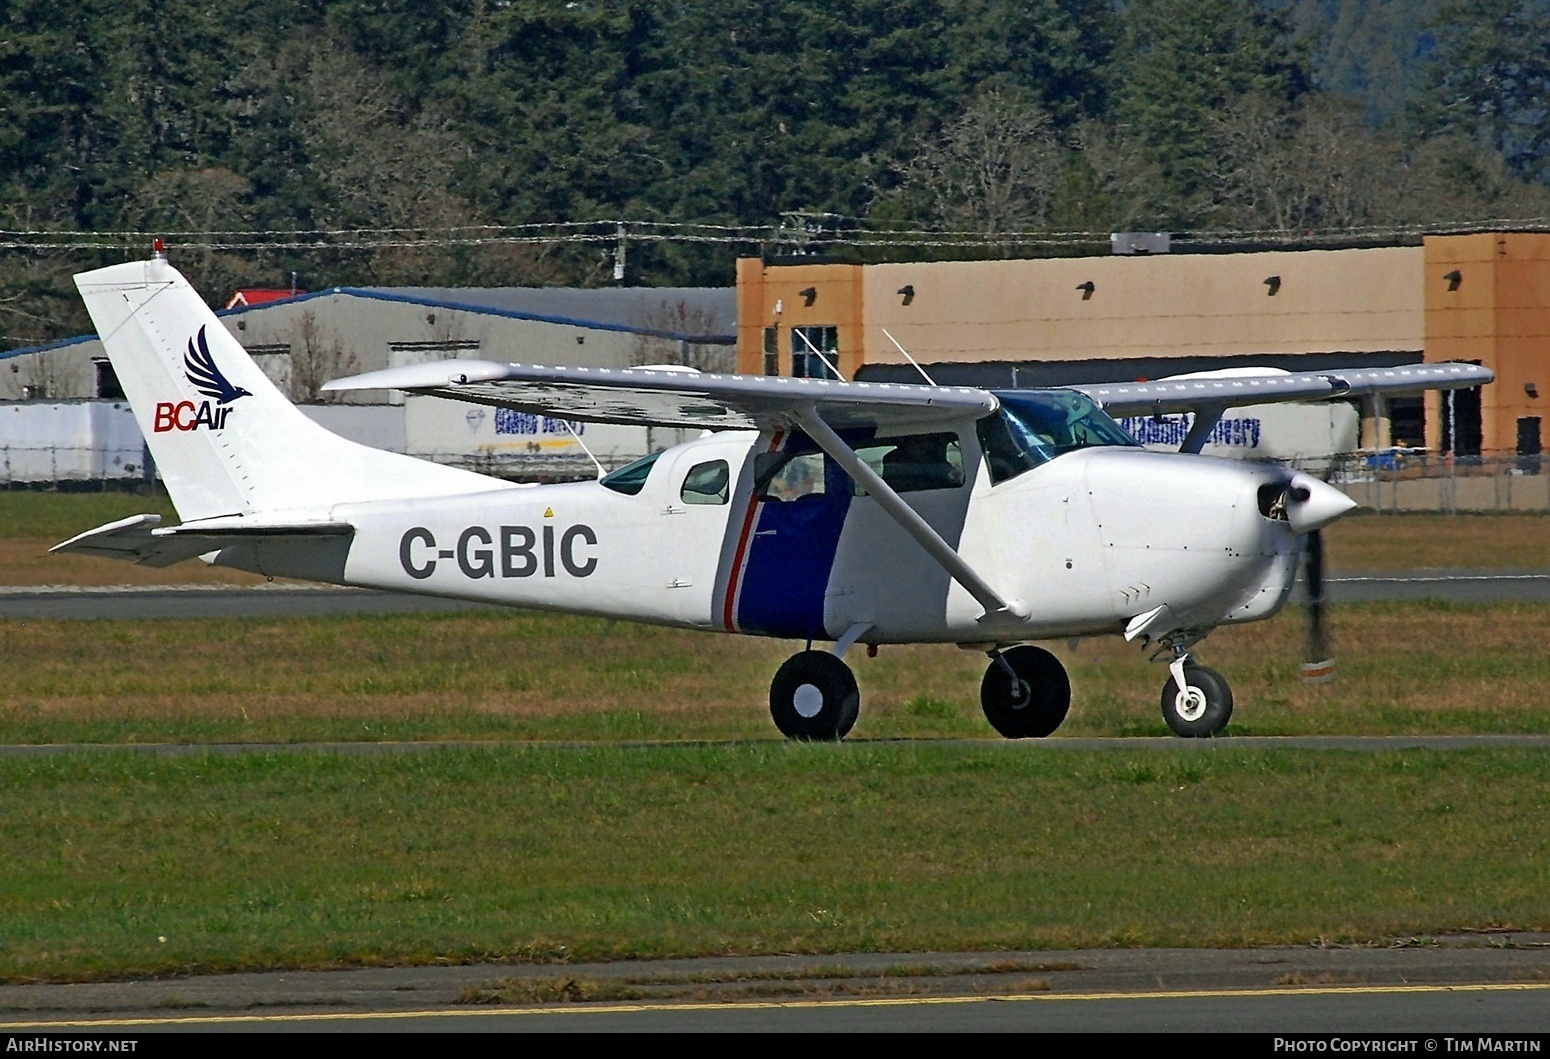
(787, 541)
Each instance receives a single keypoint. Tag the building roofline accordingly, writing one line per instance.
(437, 303)
(511, 314)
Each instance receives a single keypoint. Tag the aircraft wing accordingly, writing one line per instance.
(668, 398)
(1212, 390)
(141, 539)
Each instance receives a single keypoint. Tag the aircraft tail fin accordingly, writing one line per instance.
(226, 441)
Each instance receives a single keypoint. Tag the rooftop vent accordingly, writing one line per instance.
(1138, 242)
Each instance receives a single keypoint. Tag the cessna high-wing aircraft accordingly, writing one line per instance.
(814, 510)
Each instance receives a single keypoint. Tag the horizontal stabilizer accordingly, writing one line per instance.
(1216, 391)
(654, 397)
(141, 539)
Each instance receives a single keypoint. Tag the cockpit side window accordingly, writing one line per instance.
(915, 462)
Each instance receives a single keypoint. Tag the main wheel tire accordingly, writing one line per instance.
(814, 697)
(1036, 708)
(1204, 710)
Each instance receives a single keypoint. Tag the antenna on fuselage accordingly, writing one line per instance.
(929, 380)
(799, 333)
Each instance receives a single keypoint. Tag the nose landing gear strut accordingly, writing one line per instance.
(1196, 700)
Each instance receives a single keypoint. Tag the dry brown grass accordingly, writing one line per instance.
(1394, 542)
(25, 561)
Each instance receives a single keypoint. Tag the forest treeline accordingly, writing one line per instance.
(985, 116)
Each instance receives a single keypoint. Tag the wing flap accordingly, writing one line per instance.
(654, 397)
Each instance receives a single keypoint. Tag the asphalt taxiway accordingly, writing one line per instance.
(1474, 984)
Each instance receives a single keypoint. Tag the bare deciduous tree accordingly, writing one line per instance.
(681, 318)
(996, 167)
(317, 357)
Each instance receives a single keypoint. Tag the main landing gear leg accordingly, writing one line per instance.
(1025, 693)
(1196, 700)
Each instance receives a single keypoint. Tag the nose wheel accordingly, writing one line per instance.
(1025, 693)
(1200, 705)
(814, 697)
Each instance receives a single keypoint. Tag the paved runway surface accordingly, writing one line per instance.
(1496, 983)
(270, 601)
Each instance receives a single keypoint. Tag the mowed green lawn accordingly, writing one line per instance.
(533, 852)
(317, 859)
(1408, 668)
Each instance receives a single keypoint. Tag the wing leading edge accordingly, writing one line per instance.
(1212, 391)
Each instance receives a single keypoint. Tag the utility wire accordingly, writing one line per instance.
(818, 233)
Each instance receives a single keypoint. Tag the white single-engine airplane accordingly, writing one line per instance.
(811, 509)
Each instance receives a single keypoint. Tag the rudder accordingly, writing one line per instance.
(226, 440)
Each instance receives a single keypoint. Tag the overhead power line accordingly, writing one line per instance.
(800, 232)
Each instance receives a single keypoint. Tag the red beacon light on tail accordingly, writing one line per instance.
(159, 249)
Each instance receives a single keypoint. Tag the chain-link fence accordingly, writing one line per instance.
(1401, 480)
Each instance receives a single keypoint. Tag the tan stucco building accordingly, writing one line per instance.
(1483, 298)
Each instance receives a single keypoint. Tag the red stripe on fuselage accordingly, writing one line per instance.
(735, 581)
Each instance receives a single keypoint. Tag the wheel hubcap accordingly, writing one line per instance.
(807, 700)
(1190, 704)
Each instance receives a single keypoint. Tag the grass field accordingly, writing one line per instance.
(122, 865)
(32, 522)
(1405, 668)
(547, 854)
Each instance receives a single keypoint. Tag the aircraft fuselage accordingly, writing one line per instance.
(1090, 540)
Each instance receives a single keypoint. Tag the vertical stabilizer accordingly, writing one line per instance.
(226, 441)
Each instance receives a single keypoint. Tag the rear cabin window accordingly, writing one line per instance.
(706, 483)
(914, 463)
(631, 478)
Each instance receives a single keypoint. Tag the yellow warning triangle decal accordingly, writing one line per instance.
(548, 512)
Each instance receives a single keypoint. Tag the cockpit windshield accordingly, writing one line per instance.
(1035, 426)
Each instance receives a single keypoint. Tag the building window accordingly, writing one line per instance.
(108, 386)
(771, 351)
(806, 345)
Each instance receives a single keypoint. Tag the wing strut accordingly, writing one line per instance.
(908, 519)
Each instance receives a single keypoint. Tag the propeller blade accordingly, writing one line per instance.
(1320, 665)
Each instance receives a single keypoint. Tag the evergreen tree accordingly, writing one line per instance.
(1183, 61)
(1489, 81)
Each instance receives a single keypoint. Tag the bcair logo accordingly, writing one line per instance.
(205, 377)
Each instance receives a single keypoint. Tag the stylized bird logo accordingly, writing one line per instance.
(200, 368)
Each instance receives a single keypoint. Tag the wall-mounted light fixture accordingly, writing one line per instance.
(1531, 389)
(1087, 289)
(780, 306)
(808, 295)
(1454, 278)
(907, 293)
(1272, 284)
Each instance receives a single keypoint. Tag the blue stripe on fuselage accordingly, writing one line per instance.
(791, 556)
